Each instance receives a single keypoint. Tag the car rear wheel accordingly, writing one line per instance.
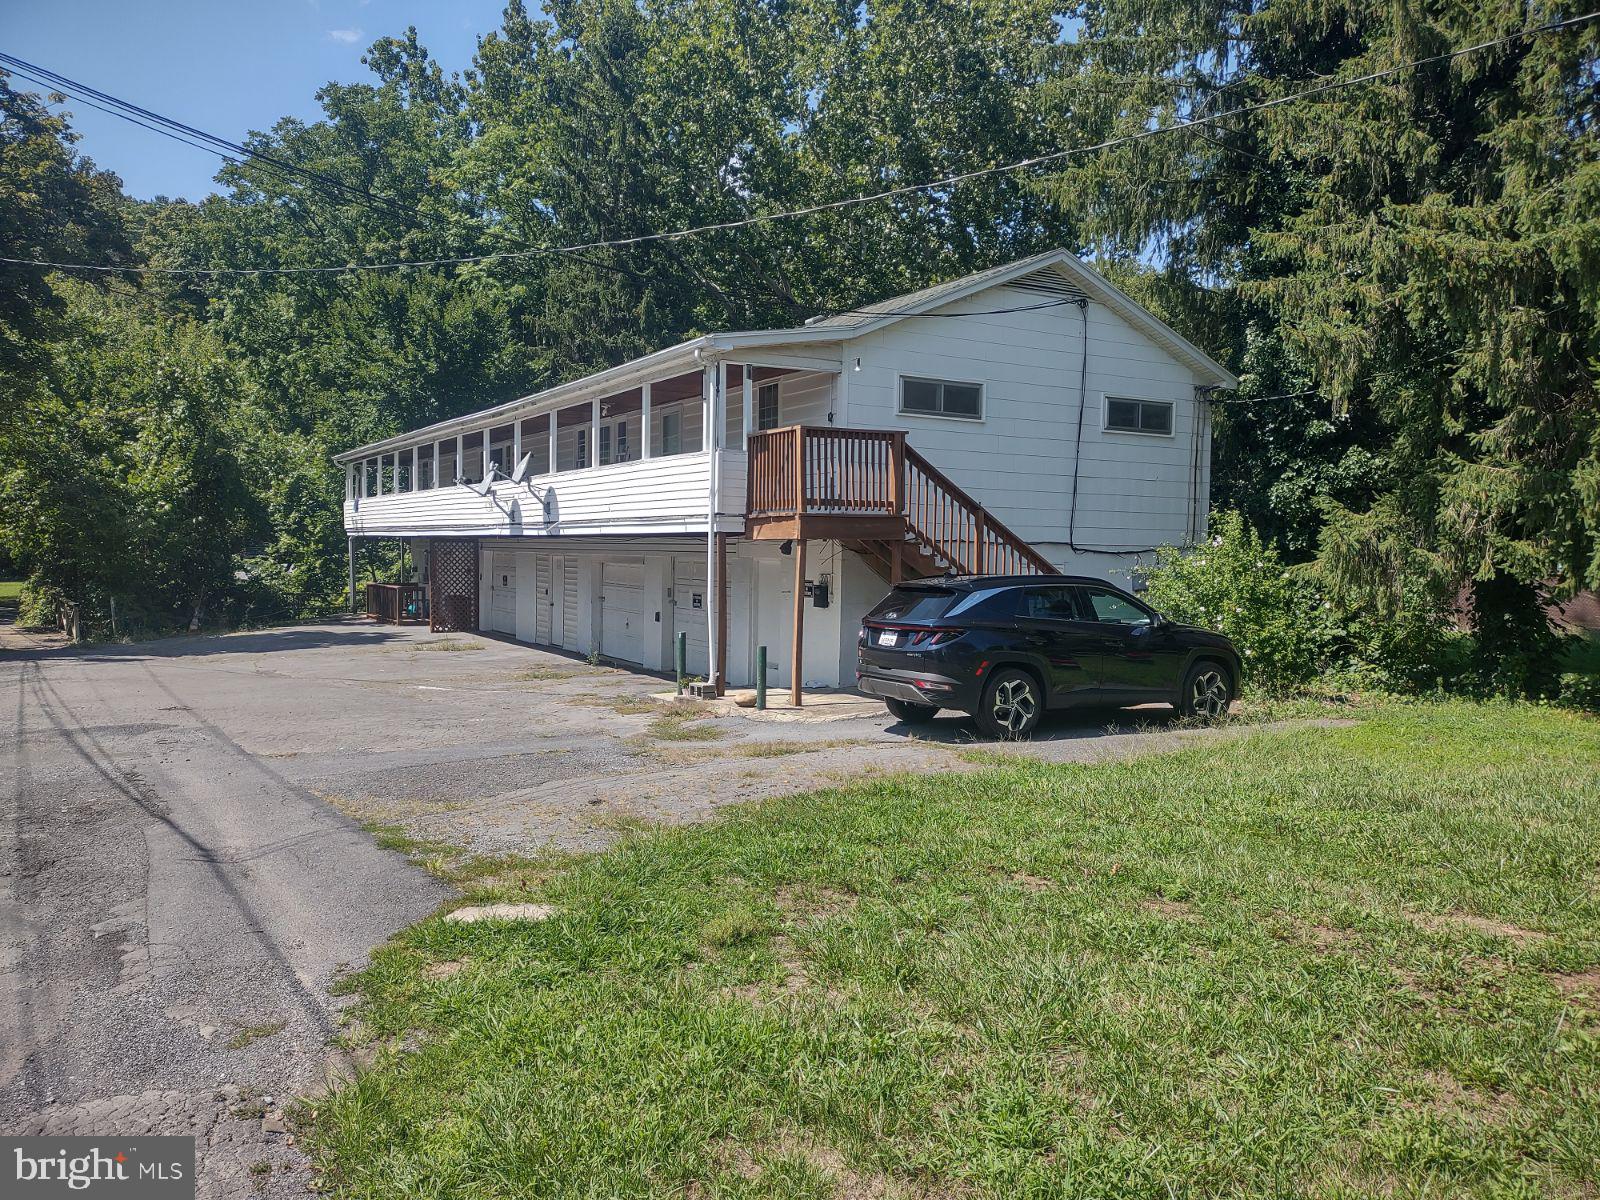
(1012, 705)
(908, 713)
(1207, 691)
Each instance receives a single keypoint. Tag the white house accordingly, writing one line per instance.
(742, 486)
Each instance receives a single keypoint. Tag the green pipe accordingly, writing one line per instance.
(683, 659)
(761, 678)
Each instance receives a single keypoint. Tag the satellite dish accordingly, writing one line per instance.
(482, 487)
(520, 471)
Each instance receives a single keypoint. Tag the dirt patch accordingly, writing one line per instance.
(1447, 1095)
(752, 1162)
(1578, 985)
(1031, 883)
(811, 902)
(444, 969)
(1172, 910)
(1458, 921)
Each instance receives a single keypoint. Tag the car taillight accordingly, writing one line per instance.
(935, 637)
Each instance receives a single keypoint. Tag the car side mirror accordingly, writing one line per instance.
(1159, 622)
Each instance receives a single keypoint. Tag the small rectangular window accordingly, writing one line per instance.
(580, 457)
(941, 398)
(767, 406)
(671, 432)
(1138, 416)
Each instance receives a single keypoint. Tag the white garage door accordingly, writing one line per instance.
(503, 593)
(690, 601)
(546, 602)
(621, 625)
(569, 605)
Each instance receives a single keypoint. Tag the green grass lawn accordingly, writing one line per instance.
(10, 589)
(1323, 961)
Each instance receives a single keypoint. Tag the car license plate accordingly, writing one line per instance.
(886, 637)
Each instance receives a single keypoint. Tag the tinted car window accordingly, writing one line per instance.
(992, 604)
(1119, 610)
(1051, 604)
(914, 604)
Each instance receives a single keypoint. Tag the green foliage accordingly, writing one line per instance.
(1580, 690)
(1238, 585)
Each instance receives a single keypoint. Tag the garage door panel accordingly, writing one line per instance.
(621, 610)
(688, 585)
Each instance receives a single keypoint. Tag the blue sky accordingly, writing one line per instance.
(227, 66)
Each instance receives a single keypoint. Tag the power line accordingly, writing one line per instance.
(945, 182)
(229, 151)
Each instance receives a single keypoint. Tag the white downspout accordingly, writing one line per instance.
(714, 377)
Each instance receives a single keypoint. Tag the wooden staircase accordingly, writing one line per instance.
(877, 496)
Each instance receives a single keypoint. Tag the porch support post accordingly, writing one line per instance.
(749, 406)
(381, 457)
(710, 377)
(437, 482)
(644, 420)
(486, 453)
(594, 432)
(350, 559)
(799, 620)
(461, 456)
(516, 443)
(722, 613)
(552, 432)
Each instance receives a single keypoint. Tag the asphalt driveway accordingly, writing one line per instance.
(185, 873)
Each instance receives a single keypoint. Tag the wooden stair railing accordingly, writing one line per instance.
(955, 527)
(826, 472)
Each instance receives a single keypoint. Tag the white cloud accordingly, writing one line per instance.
(348, 36)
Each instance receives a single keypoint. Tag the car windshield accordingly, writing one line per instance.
(914, 604)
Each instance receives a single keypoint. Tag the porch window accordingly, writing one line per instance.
(402, 471)
(672, 431)
(941, 398)
(425, 467)
(500, 446)
(580, 455)
(449, 469)
(1139, 416)
(536, 442)
(767, 406)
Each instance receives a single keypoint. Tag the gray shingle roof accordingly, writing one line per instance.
(927, 297)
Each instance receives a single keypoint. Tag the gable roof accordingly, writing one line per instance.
(1058, 273)
(1054, 272)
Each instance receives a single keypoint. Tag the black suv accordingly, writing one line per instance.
(1007, 647)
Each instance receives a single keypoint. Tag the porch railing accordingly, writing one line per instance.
(808, 470)
(396, 603)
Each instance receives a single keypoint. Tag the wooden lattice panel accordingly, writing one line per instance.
(453, 578)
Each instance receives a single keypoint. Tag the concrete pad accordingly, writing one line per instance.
(814, 706)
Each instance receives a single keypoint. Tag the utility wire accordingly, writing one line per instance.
(188, 134)
(945, 182)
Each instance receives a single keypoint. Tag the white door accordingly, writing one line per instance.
(621, 623)
(503, 593)
(544, 608)
(569, 605)
(527, 598)
(690, 602)
(775, 616)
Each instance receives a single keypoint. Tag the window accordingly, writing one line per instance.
(580, 456)
(1138, 416)
(767, 406)
(1113, 609)
(604, 445)
(622, 441)
(425, 467)
(671, 431)
(941, 398)
(1051, 604)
